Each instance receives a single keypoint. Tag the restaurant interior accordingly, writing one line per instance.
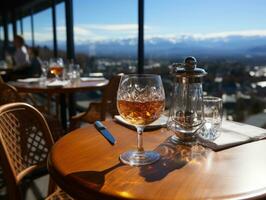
(115, 99)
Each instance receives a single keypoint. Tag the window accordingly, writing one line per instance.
(27, 30)
(1, 33)
(43, 29)
(18, 27)
(61, 28)
(106, 35)
(10, 32)
(1, 41)
(231, 46)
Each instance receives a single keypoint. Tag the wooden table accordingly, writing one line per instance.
(65, 92)
(86, 166)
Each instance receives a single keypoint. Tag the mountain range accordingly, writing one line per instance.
(177, 46)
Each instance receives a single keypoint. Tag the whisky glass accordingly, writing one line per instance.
(56, 67)
(140, 101)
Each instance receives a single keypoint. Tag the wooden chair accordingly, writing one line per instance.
(9, 94)
(1, 79)
(99, 110)
(24, 146)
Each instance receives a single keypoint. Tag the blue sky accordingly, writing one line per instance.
(205, 16)
(115, 19)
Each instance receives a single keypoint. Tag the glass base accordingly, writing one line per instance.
(135, 158)
(209, 132)
(176, 140)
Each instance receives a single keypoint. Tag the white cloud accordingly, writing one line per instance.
(113, 27)
(58, 28)
(100, 32)
(205, 36)
(38, 36)
(90, 32)
(223, 35)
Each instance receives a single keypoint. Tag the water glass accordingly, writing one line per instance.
(44, 68)
(74, 73)
(213, 113)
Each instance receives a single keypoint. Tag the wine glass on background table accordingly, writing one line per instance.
(56, 67)
(44, 68)
(140, 101)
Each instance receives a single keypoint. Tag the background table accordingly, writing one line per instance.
(85, 165)
(65, 92)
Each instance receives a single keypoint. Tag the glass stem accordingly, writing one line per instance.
(140, 139)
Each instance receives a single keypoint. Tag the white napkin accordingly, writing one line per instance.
(92, 78)
(28, 80)
(57, 83)
(233, 134)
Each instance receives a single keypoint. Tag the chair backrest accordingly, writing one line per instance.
(99, 110)
(1, 79)
(109, 96)
(25, 141)
(8, 94)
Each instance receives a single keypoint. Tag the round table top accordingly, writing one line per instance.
(69, 88)
(85, 165)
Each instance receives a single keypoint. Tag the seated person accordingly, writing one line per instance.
(21, 58)
(35, 69)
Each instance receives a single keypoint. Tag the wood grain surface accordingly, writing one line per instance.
(86, 166)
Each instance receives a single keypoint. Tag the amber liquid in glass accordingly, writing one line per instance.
(56, 70)
(140, 113)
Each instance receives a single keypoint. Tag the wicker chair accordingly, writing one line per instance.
(9, 94)
(99, 110)
(24, 146)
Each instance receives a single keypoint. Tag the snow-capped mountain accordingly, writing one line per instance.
(174, 46)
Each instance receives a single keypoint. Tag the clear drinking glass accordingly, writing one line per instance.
(44, 67)
(56, 67)
(213, 114)
(74, 74)
(140, 101)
